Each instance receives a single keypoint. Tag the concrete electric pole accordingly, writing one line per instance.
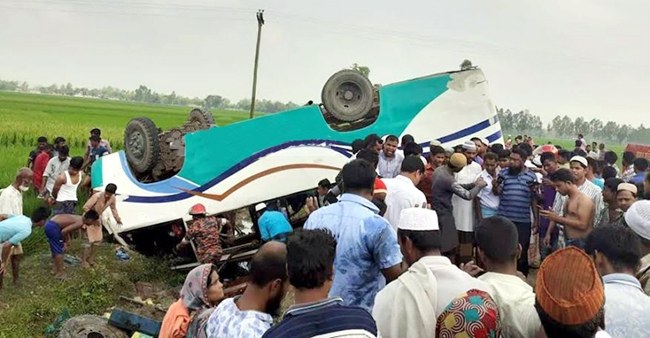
(260, 23)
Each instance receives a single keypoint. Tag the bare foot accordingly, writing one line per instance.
(85, 264)
(61, 275)
(53, 271)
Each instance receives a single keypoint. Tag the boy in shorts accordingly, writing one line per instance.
(58, 229)
(98, 202)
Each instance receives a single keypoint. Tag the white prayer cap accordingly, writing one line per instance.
(260, 207)
(538, 161)
(418, 219)
(580, 160)
(434, 143)
(469, 145)
(485, 141)
(637, 218)
(593, 155)
(627, 187)
(449, 149)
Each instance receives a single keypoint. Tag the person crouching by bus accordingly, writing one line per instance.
(204, 232)
(272, 224)
(58, 230)
(99, 202)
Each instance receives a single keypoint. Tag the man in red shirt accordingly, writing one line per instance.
(437, 158)
(40, 163)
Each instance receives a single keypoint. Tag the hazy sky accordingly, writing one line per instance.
(585, 58)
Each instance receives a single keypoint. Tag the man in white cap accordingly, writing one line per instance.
(637, 218)
(578, 167)
(626, 195)
(464, 213)
(410, 305)
(443, 189)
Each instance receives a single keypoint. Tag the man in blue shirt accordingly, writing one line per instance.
(514, 188)
(616, 250)
(14, 229)
(272, 224)
(310, 259)
(367, 253)
(640, 169)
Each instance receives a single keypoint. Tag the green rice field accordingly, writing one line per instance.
(25, 117)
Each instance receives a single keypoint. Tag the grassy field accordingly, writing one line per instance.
(28, 309)
(25, 117)
(570, 144)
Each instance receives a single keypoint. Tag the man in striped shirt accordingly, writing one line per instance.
(310, 265)
(514, 188)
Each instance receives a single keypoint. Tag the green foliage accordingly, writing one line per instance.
(467, 64)
(565, 127)
(143, 94)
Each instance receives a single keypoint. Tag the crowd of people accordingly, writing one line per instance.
(476, 240)
(447, 244)
(57, 179)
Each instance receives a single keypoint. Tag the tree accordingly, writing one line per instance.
(213, 101)
(596, 126)
(623, 132)
(361, 69)
(580, 126)
(610, 130)
(24, 87)
(566, 126)
(142, 94)
(243, 104)
(169, 99)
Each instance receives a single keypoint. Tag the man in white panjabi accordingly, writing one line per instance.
(402, 190)
(464, 213)
(410, 305)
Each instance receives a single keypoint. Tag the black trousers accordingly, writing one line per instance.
(524, 230)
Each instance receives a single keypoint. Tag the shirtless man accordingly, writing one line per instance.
(578, 211)
(58, 229)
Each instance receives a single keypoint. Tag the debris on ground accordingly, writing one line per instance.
(147, 302)
(56, 325)
(120, 254)
(134, 323)
(145, 290)
(90, 326)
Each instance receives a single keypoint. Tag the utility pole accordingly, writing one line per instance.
(260, 23)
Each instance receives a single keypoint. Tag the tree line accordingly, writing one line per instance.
(565, 127)
(146, 95)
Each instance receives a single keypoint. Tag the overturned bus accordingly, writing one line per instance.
(279, 157)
